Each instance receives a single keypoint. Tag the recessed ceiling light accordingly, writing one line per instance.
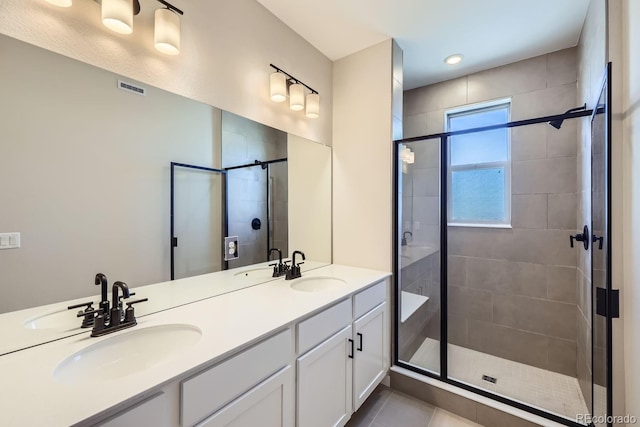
(453, 59)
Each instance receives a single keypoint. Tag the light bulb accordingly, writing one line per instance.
(61, 3)
(166, 34)
(453, 59)
(278, 87)
(313, 105)
(117, 15)
(296, 97)
(411, 157)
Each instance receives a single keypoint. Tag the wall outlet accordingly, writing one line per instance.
(9, 240)
(231, 248)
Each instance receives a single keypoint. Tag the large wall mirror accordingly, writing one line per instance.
(85, 180)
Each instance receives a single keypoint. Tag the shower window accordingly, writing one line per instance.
(479, 166)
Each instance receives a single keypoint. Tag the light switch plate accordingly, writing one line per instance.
(231, 248)
(9, 240)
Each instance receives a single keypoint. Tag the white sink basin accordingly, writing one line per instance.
(62, 320)
(127, 353)
(256, 273)
(316, 284)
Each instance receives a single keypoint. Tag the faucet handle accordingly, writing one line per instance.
(276, 269)
(129, 315)
(83, 304)
(87, 314)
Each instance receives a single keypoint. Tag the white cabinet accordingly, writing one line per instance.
(340, 356)
(338, 374)
(270, 404)
(324, 382)
(369, 363)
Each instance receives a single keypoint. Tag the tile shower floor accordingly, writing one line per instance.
(547, 390)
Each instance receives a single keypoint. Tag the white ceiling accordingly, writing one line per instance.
(489, 33)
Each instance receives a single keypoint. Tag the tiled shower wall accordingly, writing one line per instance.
(511, 291)
(243, 142)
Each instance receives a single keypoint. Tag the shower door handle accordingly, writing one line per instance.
(597, 239)
(581, 237)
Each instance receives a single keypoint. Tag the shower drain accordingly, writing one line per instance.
(487, 378)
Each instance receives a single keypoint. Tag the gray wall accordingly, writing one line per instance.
(511, 291)
(243, 142)
(85, 175)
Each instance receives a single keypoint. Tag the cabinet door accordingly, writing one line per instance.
(369, 364)
(269, 404)
(325, 382)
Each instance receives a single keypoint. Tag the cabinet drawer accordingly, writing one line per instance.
(369, 298)
(321, 326)
(151, 412)
(210, 390)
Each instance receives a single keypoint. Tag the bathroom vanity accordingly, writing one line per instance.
(302, 352)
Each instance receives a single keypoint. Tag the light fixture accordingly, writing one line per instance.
(313, 105)
(278, 87)
(117, 15)
(61, 3)
(280, 80)
(406, 155)
(453, 59)
(166, 35)
(296, 97)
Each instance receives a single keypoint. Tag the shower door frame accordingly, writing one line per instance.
(444, 167)
(610, 299)
(174, 239)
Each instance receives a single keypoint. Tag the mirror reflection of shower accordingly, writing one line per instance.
(257, 209)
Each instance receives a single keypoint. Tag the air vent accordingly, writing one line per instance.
(489, 379)
(131, 88)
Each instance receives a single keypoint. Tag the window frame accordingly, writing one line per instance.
(506, 164)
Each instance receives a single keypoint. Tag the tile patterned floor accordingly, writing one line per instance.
(550, 391)
(390, 408)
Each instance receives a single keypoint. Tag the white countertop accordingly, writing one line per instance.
(29, 395)
(162, 296)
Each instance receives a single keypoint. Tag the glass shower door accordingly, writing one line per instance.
(419, 231)
(197, 220)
